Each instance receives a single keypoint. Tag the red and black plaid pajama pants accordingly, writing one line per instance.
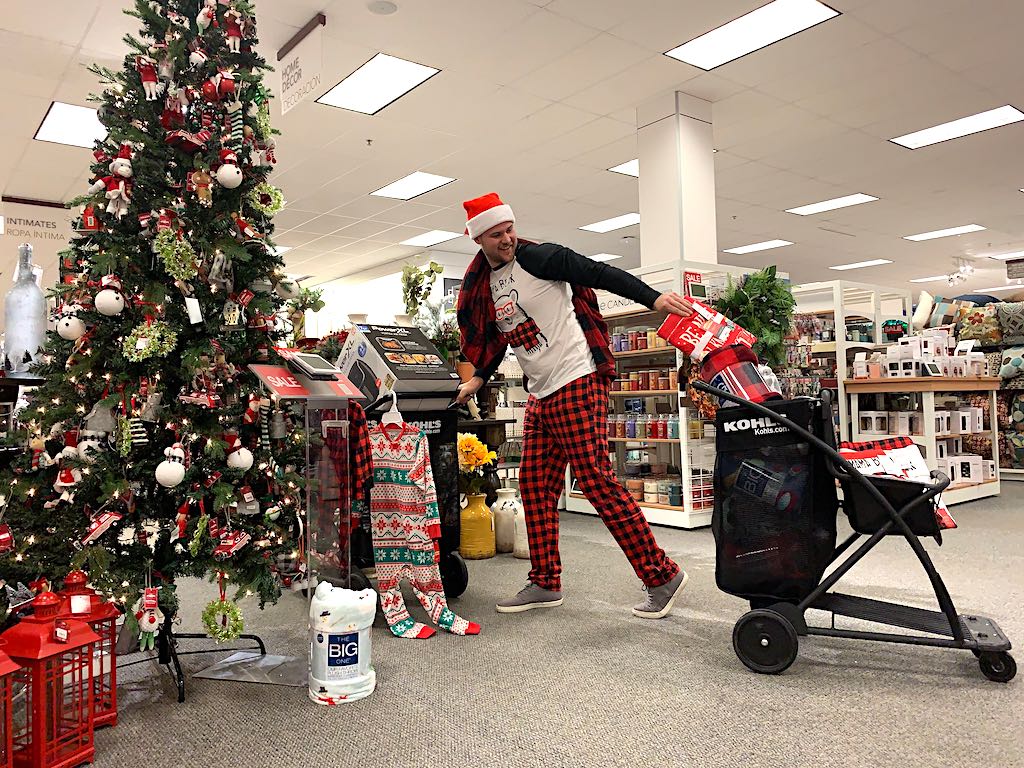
(571, 427)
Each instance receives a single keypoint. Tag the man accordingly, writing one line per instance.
(538, 299)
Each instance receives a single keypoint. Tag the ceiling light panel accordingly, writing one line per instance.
(413, 185)
(831, 205)
(1000, 288)
(757, 29)
(861, 264)
(1008, 256)
(433, 237)
(72, 125)
(379, 82)
(610, 225)
(605, 257)
(945, 232)
(765, 246)
(965, 126)
(631, 168)
(932, 279)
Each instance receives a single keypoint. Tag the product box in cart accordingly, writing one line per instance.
(386, 358)
(703, 331)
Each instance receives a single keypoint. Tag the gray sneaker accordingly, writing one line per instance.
(529, 597)
(660, 599)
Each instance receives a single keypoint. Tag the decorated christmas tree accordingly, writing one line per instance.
(150, 453)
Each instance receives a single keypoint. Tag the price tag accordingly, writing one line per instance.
(247, 494)
(142, 343)
(195, 312)
(81, 603)
(61, 633)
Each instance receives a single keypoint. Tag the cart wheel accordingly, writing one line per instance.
(997, 666)
(454, 574)
(357, 580)
(765, 641)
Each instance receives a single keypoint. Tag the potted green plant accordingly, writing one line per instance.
(763, 304)
(416, 285)
(308, 298)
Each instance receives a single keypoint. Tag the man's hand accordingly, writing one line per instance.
(672, 303)
(468, 389)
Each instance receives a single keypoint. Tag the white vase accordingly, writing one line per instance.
(504, 511)
(404, 321)
(521, 545)
(357, 319)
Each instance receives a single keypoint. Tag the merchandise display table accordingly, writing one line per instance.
(935, 441)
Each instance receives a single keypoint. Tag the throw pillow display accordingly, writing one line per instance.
(1011, 320)
(923, 311)
(982, 325)
(947, 311)
(1012, 363)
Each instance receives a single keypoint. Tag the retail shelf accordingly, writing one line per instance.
(674, 440)
(823, 347)
(963, 493)
(1015, 475)
(643, 392)
(651, 504)
(644, 352)
(922, 384)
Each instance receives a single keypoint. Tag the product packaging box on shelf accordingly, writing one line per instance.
(989, 470)
(860, 365)
(874, 422)
(977, 419)
(893, 368)
(875, 370)
(942, 422)
(950, 467)
(899, 423)
(916, 423)
(910, 348)
(958, 367)
(910, 368)
(929, 349)
(960, 422)
(971, 468)
(950, 446)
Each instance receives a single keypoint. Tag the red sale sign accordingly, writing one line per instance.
(286, 384)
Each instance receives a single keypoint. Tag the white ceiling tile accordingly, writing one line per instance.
(591, 64)
(325, 224)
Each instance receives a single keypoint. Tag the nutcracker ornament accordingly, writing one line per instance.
(171, 471)
(149, 616)
(146, 67)
(229, 175)
(110, 300)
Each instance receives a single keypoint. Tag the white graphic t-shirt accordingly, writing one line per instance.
(538, 321)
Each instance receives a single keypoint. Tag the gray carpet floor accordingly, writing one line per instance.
(589, 685)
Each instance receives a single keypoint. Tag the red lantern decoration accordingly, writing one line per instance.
(53, 728)
(80, 602)
(7, 670)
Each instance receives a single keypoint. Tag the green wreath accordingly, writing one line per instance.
(160, 340)
(177, 254)
(266, 198)
(228, 609)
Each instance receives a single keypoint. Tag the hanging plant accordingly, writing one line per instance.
(266, 198)
(232, 616)
(416, 284)
(178, 256)
(763, 304)
(149, 339)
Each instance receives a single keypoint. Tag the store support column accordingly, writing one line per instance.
(677, 181)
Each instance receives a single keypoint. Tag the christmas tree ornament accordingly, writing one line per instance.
(164, 63)
(222, 620)
(286, 288)
(99, 524)
(243, 230)
(149, 617)
(89, 221)
(266, 198)
(68, 476)
(232, 316)
(70, 325)
(6, 539)
(229, 542)
(229, 175)
(201, 184)
(187, 142)
(117, 187)
(152, 408)
(110, 300)
(197, 58)
(90, 444)
(233, 24)
(248, 505)
(175, 104)
(179, 258)
(273, 512)
(261, 286)
(171, 471)
(100, 419)
(146, 67)
(149, 339)
(221, 272)
(24, 314)
(239, 457)
(278, 426)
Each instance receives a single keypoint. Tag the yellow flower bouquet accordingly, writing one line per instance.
(473, 457)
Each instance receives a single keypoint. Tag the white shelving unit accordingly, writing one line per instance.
(848, 302)
(928, 388)
(693, 453)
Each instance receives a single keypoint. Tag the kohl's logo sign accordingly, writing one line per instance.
(342, 650)
(763, 426)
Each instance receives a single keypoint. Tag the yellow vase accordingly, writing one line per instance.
(476, 539)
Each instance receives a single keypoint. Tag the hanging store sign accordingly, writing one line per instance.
(1015, 269)
(301, 70)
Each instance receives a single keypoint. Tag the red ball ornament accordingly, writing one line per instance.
(210, 91)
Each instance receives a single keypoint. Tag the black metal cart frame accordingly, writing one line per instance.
(765, 639)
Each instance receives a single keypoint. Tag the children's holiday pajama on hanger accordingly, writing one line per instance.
(405, 524)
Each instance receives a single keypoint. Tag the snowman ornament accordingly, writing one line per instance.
(110, 300)
(149, 616)
(229, 175)
(70, 325)
(171, 471)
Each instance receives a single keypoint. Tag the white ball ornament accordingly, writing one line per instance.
(287, 289)
(240, 459)
(89, 444)
(109, 302)
(70, 327)
(229, 176)
(171, 470)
